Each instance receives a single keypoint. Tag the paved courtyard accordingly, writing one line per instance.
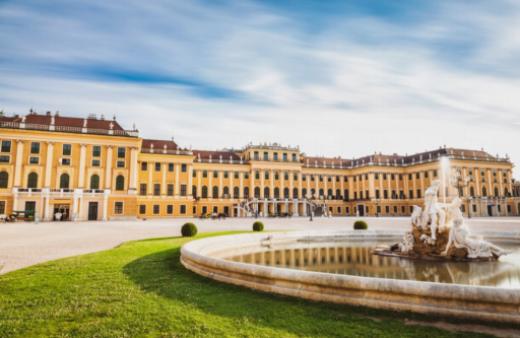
(25, 244)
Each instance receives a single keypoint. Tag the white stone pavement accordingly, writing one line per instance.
(25, 244)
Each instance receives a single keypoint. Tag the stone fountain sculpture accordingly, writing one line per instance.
(439, 233)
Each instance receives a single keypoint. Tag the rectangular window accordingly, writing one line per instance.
(6, 146)
(246, 176)
(183, 209)
(157, 166)
(256, 156)
(235, 174)
(4, 158)
(294, 159)
(418, 193)
(144, 166)
(169, 189)
(184, 167)
(96, 151)
(157, 189)
(215, 174)
(184, 190)
(266, 156)
(118, 208)
(204, 173)
(410, 194)
(156, 209)
(2, 207)
(226, 174)
(284, 157)
(169, 209)
(266, 175)
(170, 167)
(34, 160)
(275, 157)
(35, 147)
(65, 161)
(142, 209)
(142, 189)
(67, 149)
(120, 164)
(121, 151)
(96, 163)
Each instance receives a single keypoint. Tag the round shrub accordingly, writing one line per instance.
(360, 225)
(188, 230)
(258, 226)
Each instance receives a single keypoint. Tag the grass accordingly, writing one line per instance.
(141, 289)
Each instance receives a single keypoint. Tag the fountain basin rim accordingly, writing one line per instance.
(206, 257)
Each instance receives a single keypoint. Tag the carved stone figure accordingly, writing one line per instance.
(459, 237)
(439, 232)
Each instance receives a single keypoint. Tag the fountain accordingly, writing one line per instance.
(439, 232)
(438, 268)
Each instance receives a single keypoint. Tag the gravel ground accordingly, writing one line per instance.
(25, 244)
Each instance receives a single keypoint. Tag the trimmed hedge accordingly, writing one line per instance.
(258, 226)
(360, 225)
(188, 230)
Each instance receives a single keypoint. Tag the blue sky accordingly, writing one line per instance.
(336, 77)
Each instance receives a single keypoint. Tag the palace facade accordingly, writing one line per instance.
(93, 169)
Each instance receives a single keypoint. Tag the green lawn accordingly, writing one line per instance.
(141, 289)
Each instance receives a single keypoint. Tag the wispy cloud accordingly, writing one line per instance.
(345, 77)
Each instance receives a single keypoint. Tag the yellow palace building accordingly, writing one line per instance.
(68, 168)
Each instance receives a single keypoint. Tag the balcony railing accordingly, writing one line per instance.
(68, 129)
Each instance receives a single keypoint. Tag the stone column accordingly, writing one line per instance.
(241, 185)
(220, 183)
(282, 184)
(291, 185)
(371, 188)
(149, 186)
(262, 181)
(190, 180)
(82, 160)
(210, 184)
(232, 184)
(18, 164)
(300, 186)
(199, 184)
(177, 183)
(334, 186)
(350, 182)
(342, 186)
(132, 188)
(163, 179)
(108, 168)
(49, 165)
(105, 205)
(317, 185)
(271, 180)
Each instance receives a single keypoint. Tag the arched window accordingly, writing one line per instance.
(484, 191)
(322, 192)
(338, 194)
(257, 192)
(236, 192)
(329, 193)
(226, 191)
(345, 195)
(496, 192)
(194, 191)
(266, 192)
(276, 193)
(295, 193)
(304, 193)
(215, 192)
(286, 193)
(32, 180)
(94, 182)
(204, 191)
(64, 181)
(472, 191)
(313, 193)
(246, 192)
(120, 182)
(4, 179)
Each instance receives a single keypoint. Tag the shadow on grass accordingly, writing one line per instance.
(163, 274)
